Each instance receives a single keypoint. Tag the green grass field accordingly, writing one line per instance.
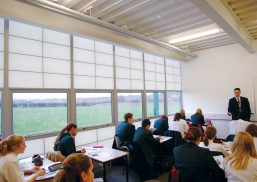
(38, 120)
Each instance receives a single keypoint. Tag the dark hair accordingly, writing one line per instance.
(72, 167)
(210, 133)
(127, 116)
(146, 122)
(66, 129)
(193, 134)
(177, 116)
(164, 116)
(252, 130)
(237, 89)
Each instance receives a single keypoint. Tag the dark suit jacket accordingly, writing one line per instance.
(145, 140)
(161, 125)
(197, 119)
(234, 108)
(196, 163)
(67, 145)
(125, 131)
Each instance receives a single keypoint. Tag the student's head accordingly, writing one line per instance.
(146, 123)
(182, 112)
(242, 150)
(237, 92)
(252, 130)
(193, 135)
(177, 117)
(129, 117)
(76, 167)
(72, 129)
(13, 143)
(199, 111)
(210, 134)
(164, 116)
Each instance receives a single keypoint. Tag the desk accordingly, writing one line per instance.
(227, 146)
(27, 163)
(162, 138)
(108, 155)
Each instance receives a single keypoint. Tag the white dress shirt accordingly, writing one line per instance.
(180, 126)
(248, 175)
(236, 126)
(9, 169)
(215, 147)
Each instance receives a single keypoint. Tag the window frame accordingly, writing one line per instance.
(180, 101)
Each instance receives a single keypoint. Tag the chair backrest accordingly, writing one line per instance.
(117, 140)
(216, 153)
(55, 156)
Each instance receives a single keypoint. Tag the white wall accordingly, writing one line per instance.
(209, 80)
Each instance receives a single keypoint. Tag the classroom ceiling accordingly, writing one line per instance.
(169, 20)
(246, 13)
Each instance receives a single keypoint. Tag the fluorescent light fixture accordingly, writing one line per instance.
(195, 35)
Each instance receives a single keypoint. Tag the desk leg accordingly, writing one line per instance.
(126, 168)
(104, 172)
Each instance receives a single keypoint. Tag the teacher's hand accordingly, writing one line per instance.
(229, 113)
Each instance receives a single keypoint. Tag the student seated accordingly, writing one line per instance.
(197, 118)
(178, 124)
(241, 165)
(9, 164)
(252, 130)
(65, 142)
(183, 114)
(161, 124)
(126, 130)
(210, 135)
(147, 145)
(76, 168)
(196, 163)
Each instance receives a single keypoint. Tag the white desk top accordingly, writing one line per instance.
(162, 138)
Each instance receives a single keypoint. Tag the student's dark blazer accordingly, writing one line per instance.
(196, 163)
(197, 119)
(67, 145)
(161, 125)
(145, 140)
(233, 108)
(125, 131)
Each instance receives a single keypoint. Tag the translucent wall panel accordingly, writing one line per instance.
(84, 82)
(122, 73)
(0, 107)
(120, 51)
(93, 109)
(83, 55)
(104, 59)
(25, 30)
(56, 37)
(122, 62)
(104, 83)
(160, 85)
(20, 62)
(104, 71)
(56, 66)
(103, 47)
(1, 42)
(170, 86)
(129, 102)
(83, 43)
(25, 46)
(56, 51)
(1, 70)
(148, 57)
(169, 70)
(25, 79)
(1, 78)
(173, 101)
(136, 64)
(56, 81)
(136, 55)
(1, 25)
(31, 110)
(1, 60)
(137, 84)
(84, 69)
(137, 74)
(123, 83)
(173, 74)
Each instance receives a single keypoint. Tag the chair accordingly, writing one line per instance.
(230, 138)
(216, 153)
(55, 156)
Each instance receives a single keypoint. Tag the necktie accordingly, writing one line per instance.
(239, 104)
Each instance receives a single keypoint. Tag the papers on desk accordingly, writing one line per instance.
(219, 159)
(93, 151)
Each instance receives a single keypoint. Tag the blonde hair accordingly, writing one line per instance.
(7, 144)
(242, 151)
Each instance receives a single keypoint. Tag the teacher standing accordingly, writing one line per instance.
(239, 107)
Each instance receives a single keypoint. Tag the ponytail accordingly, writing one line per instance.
(210, 133)
(7, 144)
(61, 133)
(193, 134)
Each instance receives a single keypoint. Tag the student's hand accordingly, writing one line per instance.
(83, 150)
(41, 172)
(229, 113)
(32, 170)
